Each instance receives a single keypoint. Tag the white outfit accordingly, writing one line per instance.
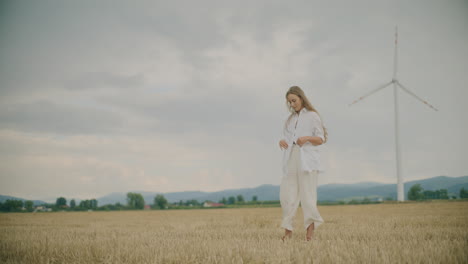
(306, 123)
(301, 169)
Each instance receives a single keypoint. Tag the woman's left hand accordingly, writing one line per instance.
(301, 141)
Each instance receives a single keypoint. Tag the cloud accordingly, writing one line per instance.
(96, 80)
(175, 96)
(98, 164)
(45, 116)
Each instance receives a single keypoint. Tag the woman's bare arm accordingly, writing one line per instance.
(314, 140)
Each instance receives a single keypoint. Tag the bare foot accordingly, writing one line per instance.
(310, 231)
(287, 234)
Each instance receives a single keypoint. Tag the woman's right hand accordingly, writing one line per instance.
(283, 144)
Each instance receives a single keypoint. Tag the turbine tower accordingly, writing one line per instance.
(396, 83)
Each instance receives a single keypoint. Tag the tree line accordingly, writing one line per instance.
(16, 206)
(416, 192)
(236, 200)
(135, 201)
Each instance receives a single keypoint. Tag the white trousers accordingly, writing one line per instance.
(299, 186)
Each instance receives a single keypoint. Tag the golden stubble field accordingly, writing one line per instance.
(426, 232)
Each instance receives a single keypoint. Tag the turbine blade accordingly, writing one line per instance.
(371, 92)
(411, 93)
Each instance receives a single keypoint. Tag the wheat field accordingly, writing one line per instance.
(425, 232)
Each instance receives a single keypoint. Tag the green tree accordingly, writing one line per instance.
(72, 204)
(192, 202)
(223, 201)
(93, 204)
(231, 200)
(443, 194)
(12, 206)
(240, 198)
(131, 200)
(160, 201)
(463, 193)
(61, 202)
(437, 194)
(29, 205)
(366, 200)
(135, 201)
(140, 202)
(415, 192)
(85, 205)
(428, 194)
(118, 206)
(254, 198)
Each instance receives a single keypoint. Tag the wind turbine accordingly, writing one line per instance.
(396, 83)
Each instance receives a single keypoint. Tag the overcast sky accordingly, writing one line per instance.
(116, 96)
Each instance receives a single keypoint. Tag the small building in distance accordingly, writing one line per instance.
(211, 204)
(42, 209)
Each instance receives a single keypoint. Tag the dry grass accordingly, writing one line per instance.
(431, 232)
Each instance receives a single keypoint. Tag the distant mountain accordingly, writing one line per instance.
(263, 192)
(327, 192)
(268, 192)
(3, 198)
(149, 197)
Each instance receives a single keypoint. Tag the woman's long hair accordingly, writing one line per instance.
(305, 103)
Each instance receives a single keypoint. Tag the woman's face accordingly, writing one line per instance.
(295, 102)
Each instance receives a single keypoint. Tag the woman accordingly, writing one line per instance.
(303, 133)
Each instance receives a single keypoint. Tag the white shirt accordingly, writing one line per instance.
(306, 123)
